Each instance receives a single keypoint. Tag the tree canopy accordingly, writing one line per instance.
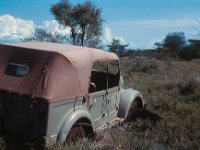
(175, 40)
(116, 46)
(84, 20)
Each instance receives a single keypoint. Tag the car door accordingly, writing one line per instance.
(113, 96)
(98, 93)
(97, 107)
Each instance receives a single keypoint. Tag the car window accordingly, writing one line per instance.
(100, 66)
(16, 69)
(105, 74)
(113, 74)
(113, 67)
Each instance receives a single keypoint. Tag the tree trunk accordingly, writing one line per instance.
(73, 36)
(82, 36)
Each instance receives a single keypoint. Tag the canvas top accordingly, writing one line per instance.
(55, 71)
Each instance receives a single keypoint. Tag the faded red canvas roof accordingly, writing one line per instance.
(57, 71)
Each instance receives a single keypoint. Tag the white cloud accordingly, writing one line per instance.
(108, 37)
(54, 27)
(15, 28)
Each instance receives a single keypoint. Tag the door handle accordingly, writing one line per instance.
(93, 103)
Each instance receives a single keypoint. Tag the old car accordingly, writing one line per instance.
(52, 92)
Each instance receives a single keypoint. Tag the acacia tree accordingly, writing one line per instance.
(116, 47)
(174, 40)
(84, 20)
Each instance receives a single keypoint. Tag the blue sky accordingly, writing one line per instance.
(139, 23)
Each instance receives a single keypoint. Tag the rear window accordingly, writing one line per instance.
(16, 69)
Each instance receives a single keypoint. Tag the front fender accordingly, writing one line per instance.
(126, 99)
(70, 120)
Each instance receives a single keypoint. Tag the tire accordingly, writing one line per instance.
(133, 111)
(76, 132)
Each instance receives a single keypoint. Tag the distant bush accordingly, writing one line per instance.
(189, 86)
(143, 64)
(189, 53)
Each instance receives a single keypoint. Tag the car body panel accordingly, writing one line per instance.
(127, 97)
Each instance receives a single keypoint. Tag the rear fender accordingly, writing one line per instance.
(70, 120)
(127, 97)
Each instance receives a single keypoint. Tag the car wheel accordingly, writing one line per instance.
(133, 111)
(75, 133)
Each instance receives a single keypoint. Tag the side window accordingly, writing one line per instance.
(113, 67)
(105, 74)
(113, 74)
(98, 81)
(100, 66)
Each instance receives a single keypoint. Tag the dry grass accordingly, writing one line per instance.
(2, 146)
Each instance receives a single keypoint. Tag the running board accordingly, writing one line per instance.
(114, 122)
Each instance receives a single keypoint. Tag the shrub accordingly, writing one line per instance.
(143, 64)
(189, 53)
(189, 86)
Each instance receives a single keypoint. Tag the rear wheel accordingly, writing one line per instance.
(76, 133)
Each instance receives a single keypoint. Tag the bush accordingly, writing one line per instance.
(189, 53)
(189, 86)
(143, 64)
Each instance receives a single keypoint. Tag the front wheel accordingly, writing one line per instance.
(133, 111)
